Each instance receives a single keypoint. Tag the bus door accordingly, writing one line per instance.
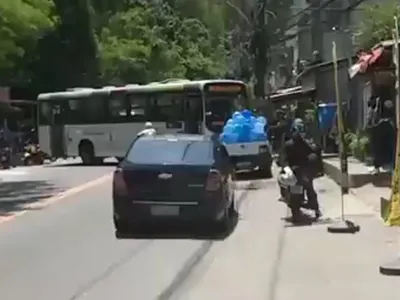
(57, 134)
(171, 111)
(182, 113)
(193, 114)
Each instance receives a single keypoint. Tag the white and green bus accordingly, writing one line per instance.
(99, 123)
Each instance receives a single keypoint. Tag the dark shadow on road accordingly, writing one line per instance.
(255, 185)
(19, 195)
(181, 231)
(245, 176)
(306, 220)
(106, 164)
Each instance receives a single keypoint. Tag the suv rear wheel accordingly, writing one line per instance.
(122, 228)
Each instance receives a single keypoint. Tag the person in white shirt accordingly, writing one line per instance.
(148, 130)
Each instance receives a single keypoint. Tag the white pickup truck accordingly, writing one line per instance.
(251, 156)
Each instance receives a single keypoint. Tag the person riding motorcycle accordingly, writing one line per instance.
(299, 155)
(148, 130)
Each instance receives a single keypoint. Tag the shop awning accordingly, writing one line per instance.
(365, 60)
(290, 94)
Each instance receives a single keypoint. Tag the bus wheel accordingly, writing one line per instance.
(86, 152)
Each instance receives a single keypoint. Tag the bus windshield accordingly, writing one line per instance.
(220, 102)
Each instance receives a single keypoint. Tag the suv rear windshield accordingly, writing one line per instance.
(170, 151)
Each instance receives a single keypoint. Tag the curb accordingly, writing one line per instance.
(384, 205)
(358, 181)
(355, 180)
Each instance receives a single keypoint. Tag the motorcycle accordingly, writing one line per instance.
(33, 155)
(5, 160)
(293, 192)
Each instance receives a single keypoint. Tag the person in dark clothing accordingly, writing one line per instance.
(279, 129)
(388, 134)
(371, 127)
(299, 155)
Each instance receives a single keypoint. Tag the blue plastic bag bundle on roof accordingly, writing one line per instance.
(244, 127)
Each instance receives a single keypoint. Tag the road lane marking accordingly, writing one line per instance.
(12, 216)
(53, 199)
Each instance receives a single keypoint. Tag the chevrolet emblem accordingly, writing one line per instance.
(165, 176)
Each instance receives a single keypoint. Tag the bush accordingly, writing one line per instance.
(357, 145)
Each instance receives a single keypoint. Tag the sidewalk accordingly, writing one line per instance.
(358, 173)
(338, 266)
(319, 265)
(373, 190)
(268, 259)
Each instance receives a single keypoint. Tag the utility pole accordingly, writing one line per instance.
(260, 47)
(396, 60)
(316, 27)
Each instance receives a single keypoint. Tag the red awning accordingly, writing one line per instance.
(376, 54)
(365, 60)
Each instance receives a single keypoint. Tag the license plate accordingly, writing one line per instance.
(297, 189)
(164, 210)
(243, 164)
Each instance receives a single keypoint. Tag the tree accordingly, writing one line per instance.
(92, 42)
(377, 23)
(153, 42)
(70, 50)
(22, 23)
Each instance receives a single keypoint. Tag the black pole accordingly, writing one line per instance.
(260, 49)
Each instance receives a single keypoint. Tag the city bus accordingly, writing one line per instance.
(98, 123)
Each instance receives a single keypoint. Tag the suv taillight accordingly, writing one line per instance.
(119, 185)
(213, 181)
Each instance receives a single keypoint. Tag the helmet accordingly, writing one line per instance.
(148, 125)
(287, 178)
(298, 128)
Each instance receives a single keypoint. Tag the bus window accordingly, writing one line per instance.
(117, 109)
(72, 113)
(59, 113)
(45, 113)
(218, 111)
(170, 108)
(139, 108)
(193, 113)
(221, 100)
(94, 110)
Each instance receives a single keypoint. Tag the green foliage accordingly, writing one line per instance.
(149, 43)
(67, 56)
(21, 25)
(377, 23)
(54, 44)
(358, 145)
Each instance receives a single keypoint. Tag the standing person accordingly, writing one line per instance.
(374, 135)
(148, 130)
(386, 128)
(279, 130)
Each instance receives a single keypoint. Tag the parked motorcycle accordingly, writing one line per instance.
(33, 155)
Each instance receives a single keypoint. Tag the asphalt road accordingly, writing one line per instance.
(68, 251)
(23, 187)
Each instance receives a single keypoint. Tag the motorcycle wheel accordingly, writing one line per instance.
(295, 204)
(5, 166)
(29, 161)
